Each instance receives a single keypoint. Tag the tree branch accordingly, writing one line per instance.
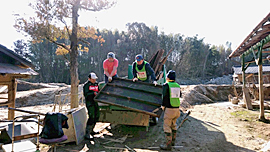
(88, 9)
(63, 21)
(84, 41)
(59, 44)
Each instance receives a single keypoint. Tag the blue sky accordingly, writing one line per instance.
(217, 21)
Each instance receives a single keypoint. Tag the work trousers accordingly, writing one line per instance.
(170, 117)
(93, 113)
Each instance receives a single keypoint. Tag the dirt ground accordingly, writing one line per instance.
(213, 127)
(216, 127)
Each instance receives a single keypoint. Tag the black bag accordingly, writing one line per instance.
(53, 124)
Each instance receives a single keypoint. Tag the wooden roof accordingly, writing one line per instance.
(12, 63)
(261, 31)
(251, 69)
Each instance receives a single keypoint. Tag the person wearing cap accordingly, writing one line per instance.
(142, 70)
(90, 89)
(110, 67)
(170, 105)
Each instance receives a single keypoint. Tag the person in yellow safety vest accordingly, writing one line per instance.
(170, 105)
(142, 71)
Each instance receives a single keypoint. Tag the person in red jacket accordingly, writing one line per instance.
(90, 90)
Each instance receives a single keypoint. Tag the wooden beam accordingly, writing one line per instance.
(255, 61)
(258, 45)
(26, 111)
(261, 94)
(12, 88)
(5, 78)
(234, 53)
(4, 103)
(21, 137)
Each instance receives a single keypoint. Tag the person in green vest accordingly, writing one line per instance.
(170, 105)
(142, 71)
(90, 90)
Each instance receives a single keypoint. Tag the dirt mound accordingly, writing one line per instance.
(26, 86)
(45, 94)
(199, 94)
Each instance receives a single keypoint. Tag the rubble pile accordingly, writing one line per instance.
(40, 93)
(225, 79)
(198, 94)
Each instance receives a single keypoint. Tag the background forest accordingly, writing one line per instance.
(191, 58)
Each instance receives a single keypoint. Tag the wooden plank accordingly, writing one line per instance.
(119, 140)
(26, 111)
(234, 90)
(4, 103)
(5, 78)
(125, 118)
(131, 105)
(135, 95)
(77, 124)
(246, 99)
(140, 86)
(130, 149)
(151, 90)
(70, 132)
(115, 148)
(21, 137)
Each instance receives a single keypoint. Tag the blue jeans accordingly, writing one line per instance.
(113, 77)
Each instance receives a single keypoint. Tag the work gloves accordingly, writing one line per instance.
(163, 108)
(155, 83)
(135, 79)
(110, 79)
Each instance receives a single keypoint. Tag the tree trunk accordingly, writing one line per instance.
(74, 58)
(204, 65)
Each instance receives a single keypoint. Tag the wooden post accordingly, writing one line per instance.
(246, 96)
(261, 92)
(234, 90)
(12, 88)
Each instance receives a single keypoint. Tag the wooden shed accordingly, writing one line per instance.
(252, 76)
(257, 44)
(12, 67)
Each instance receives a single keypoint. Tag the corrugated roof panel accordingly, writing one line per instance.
(12, 69)
(137, 96)
(251, 69)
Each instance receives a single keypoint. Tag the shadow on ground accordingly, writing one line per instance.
(193, 136)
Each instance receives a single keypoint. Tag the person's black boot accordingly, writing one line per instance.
(88, 130)
(173, 137)
(168, 144)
